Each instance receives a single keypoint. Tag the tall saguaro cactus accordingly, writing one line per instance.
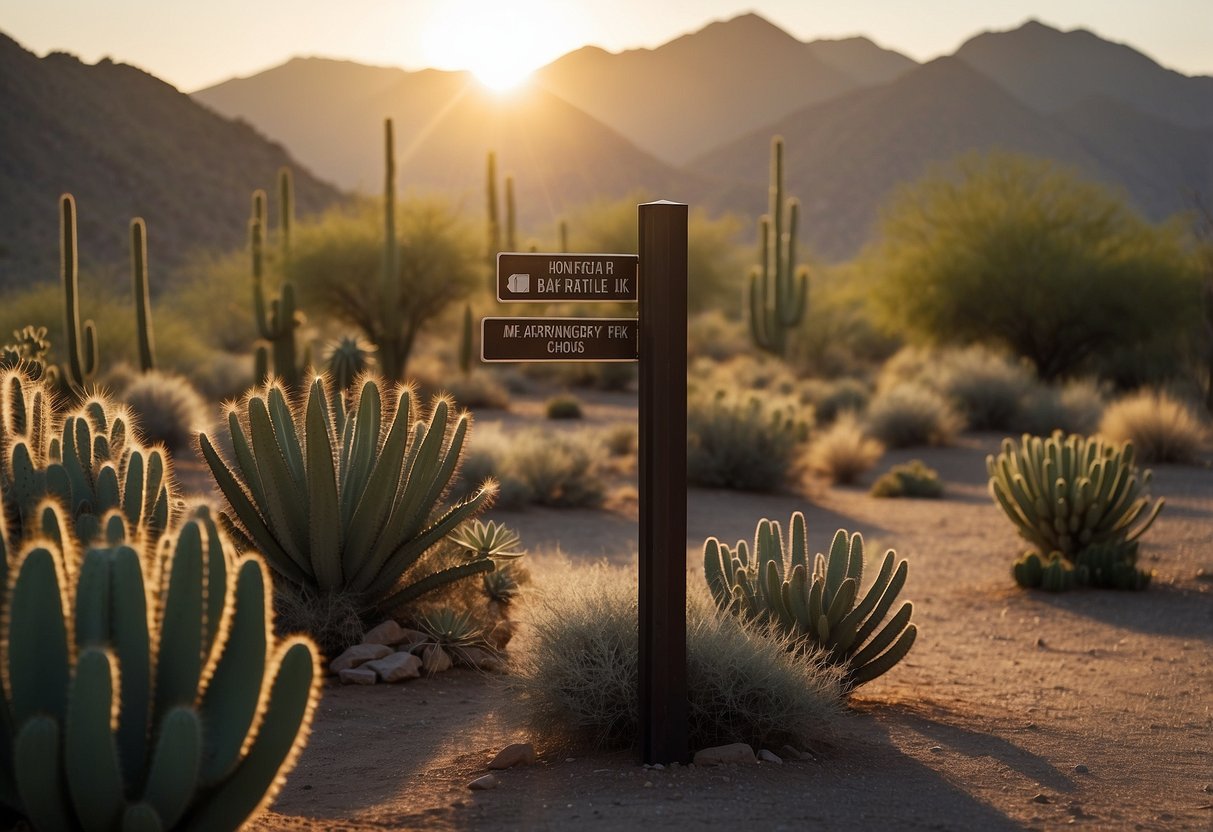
(81, 343)
(143, 302)
(279, 321)
(497, 242)
(391, 349)
(778, 290)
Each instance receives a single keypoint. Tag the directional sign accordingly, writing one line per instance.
(538, 278)
(558, 339)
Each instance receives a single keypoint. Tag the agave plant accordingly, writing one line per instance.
(142, 687)
(822, 607)
(488, 540)
(347, 500)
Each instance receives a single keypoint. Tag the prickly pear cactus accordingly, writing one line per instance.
(143, 689)
(823, 606)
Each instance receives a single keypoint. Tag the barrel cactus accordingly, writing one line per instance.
(1077, 499)
(824, 607)
(347, 499)
(142, 687)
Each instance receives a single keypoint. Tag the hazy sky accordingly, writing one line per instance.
(195, 44)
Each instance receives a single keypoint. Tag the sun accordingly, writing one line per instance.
(500, 43)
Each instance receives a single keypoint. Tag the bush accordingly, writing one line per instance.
(578, 674)
(713, 335)
(1161, 428)
(843, 451)
(741, 441)
(910, 414)
(987, 388)
(620, 440)
(831, 398)
(1074, 407)
(563, 406)
(168, 408)
(911, 479)
(562, 469)
(478, 390)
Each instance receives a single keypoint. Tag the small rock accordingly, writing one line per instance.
(1208, 788)
(935, 749)
(648, 784)
(483, 784)
(1081, 769)
(770, 757)
(518, 754)
(435, 659)
(397, 667)
(358, 654)
(720, 755)
(1040, 798)
(790, 753)
(389, 633)
(357, 676)
(1040, 642)
(658, 767)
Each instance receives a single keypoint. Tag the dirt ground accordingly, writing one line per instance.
(1014, 710)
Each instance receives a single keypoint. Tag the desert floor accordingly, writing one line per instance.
(1015, 710)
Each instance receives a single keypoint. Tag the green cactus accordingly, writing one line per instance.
(466, 342)
(82, 356)
(27, 352)
(348, 359)
(1111, 565)
(279, 321)
(488, 540)
(143, 689)
(347, 500)
(143, 301)
(286, 211)
(909, 479)
(564, 236)
(778, 290)
(1067, 493)
(497, 241)
(390, 342)
(824, 606)
(1028, 571)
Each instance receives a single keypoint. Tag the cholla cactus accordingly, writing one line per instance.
(142, 687)
(824, 606)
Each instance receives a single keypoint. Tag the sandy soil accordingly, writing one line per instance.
(1014, 710)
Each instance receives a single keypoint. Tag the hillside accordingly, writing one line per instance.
(712, 86)
(126, 144)
(445, 124)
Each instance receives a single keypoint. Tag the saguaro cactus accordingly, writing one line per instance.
(279, 323)
(143, 302)
(778, 290)
(496, 242)
(81, 343)
(390, 344)
(466, 343)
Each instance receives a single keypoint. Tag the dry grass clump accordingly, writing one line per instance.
(552, 469)
(909, 414)
(478, 390)
(844, 452)
(713, 335)
(1074, 407)
(746, 441)
(833, 397)
(576, 673)
(1161, 428)
(168, 409)
(911, 479)
(988, 388)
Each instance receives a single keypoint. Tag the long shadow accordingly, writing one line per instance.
(1160, 610)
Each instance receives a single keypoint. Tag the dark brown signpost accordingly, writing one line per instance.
(658, 338)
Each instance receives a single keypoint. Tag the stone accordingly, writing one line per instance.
(389, 633)
(397, 667)
(435, 659)
(1081, 769)
(790, 753)
(358, 654)
(1041, 797)
(770, 757)
(483, 784)
(518, 754)
(479, 659)
(357, 676)
(721, 755)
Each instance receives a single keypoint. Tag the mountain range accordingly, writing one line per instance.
(689, 120)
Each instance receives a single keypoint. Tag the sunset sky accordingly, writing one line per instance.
(194, 45)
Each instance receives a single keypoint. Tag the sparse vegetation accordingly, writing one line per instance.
(168, 408)
(563, 406)
(745, 441)
(843, 452)
(910, 479)
(910, 414)
(1161, 428)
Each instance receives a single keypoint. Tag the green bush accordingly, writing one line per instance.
(578, 676)
(910, 414)
(987, 388)
(831, 398)
(620, 440)
(564, 406)
(910, 479)
(746, 441)
(563, 469)
(843, 452)
(1161, 428)
(1074, 407)
(479, 390)
(168, 408)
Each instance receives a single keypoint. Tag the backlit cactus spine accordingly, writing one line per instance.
(143, 688)
(81, 342)
(778, 290)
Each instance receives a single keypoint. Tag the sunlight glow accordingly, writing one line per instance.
(500, 43)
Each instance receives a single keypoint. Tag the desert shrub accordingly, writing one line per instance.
(168, 408)
(909, 414)
(843, 452)
(713, 335)
(563, 469)
(1161, 428)
(1073, 407)
(910, 479)
(578, 675)
(563, 406)
(620, 440)
(831, 397)
(986, 387)
(743, 441)
(479, 390)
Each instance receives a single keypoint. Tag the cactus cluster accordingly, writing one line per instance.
(279, 320)
(778, 290)
(27, 352)
(347, 499)
(824, 606)
(1081, 502)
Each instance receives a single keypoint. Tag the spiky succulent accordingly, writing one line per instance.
(501, 585)
(488, 540)
(825, 606)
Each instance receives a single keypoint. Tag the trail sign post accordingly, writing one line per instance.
(657, 279)
(544, 278)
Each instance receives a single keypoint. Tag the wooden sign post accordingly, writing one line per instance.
(657, 279)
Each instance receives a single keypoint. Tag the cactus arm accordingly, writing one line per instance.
(836, 567)
(286, 210)
(182, 629)
(799, 546)
(283, 502)
(131, 644)
(389, 346)
(842, 603)
(511, 243)
(245, 459)
(140, 817)
(324, 509)
(81, 344)
(282, 733)
(173, 774)
(884, 604)
(37, 638)
(883, 663)
(90, 756)
(143, 302)
(415, 590)
(38, 766)
(230, 702)
(362, 446)
(885, 637)
(287, 435)
(714, 571)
